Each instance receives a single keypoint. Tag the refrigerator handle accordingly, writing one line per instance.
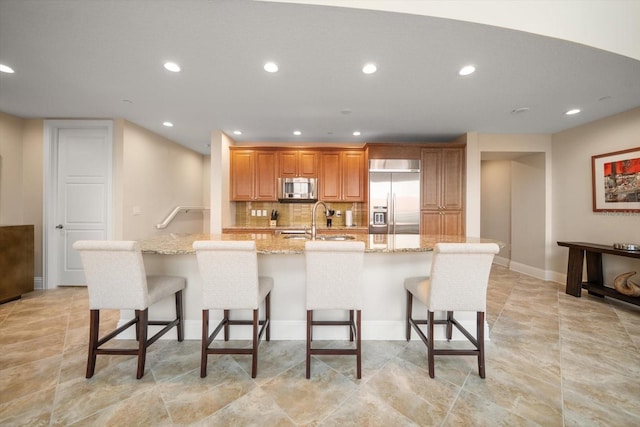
(394, 213)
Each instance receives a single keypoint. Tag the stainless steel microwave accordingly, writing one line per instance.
(297, 190)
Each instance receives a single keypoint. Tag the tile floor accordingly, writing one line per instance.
(553, 360)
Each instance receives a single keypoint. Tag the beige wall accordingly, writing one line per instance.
(11, 134)
(573, 217)
(150, 172)
(21, 177)
(495, 203)
(528, 213)
(156, 176)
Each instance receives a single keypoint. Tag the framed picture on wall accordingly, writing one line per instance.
(616, 181)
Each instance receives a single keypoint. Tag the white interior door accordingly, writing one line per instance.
(80, 202)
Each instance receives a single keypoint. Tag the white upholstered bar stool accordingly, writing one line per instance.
(458, 282)
(116, 280)
(334, 282)
(230, 281)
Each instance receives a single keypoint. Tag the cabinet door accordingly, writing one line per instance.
(288, 161)
(430, 222)
(329, 176)
(353, 176)
(308, 164)
(452, 175)
(242, 176)
(431, 178)
(452, 223)
(266, 178)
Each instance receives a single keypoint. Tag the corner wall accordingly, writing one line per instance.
(573, 216)
(21, 178)
(158, 175)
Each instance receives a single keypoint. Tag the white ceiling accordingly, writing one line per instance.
(103, 59)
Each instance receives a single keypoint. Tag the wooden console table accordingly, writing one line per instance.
(595, 281)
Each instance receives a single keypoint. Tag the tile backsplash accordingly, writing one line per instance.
(296, 214)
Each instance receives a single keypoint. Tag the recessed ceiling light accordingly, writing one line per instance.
(572, 112)
(271, 67)
(369, 68)
(466, 70)
(297, 133)
(6, 69)
(356, 133)
(167, 124)
(172, 66)
(237, 132)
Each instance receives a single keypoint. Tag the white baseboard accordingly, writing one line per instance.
(528, 270)
(38, 283)
(504, 262)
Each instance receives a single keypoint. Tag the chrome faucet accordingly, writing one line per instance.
(313, 217)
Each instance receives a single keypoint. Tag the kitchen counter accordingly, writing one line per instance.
(388, 261)
(268, 243)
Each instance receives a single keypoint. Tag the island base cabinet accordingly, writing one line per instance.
(383, 311)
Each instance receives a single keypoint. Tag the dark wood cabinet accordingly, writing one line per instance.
(16, 261)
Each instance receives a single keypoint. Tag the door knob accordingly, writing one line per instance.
(59, 226)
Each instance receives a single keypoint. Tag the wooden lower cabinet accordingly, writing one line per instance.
(442, 223)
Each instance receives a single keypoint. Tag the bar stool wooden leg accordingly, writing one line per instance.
(358, 345)
(430, 346)
(267, 312)
(309, 321)
(480, 338)
(205, 343)
(351, 322)
(409, 313)
(254, 353)
(180, 316)
(94, 327)
(226, 325)
(449, 325)
(143, 320)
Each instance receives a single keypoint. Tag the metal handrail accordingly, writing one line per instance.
(176, 211)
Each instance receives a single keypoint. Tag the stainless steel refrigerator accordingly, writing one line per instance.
(394, 196)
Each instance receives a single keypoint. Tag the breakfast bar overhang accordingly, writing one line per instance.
(388, 260)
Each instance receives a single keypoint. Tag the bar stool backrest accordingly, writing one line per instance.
(229, 271)
(115, 274)
(460, 276)
(334, 273)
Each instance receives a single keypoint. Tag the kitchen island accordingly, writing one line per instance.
(388, 260)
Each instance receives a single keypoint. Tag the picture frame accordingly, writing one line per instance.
(616, 181)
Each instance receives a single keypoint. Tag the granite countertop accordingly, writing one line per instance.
(268, 243)
(341, 228)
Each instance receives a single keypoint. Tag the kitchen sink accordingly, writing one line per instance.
(335, 237)
(291, 231)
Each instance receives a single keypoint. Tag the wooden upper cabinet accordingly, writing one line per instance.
(452, 172)
(298, 163)
(442, 185)
(442, 178)
(354, 175)
(242, 174)
(266, 178)
(342, 176)
(330, 176)
(253, 175)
